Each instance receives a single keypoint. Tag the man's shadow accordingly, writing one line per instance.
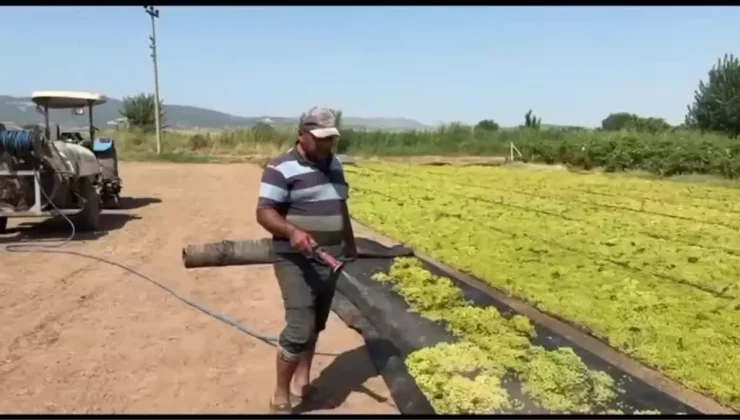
(347, 373)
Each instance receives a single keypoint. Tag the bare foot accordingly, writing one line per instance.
(299, 390)
(280, 398)
(280, 404)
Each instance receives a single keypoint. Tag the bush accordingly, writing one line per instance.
(665, 153)
(662, 154)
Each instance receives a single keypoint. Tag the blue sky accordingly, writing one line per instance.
(571, 65)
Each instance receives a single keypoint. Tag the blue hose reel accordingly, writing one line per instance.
(16, 141)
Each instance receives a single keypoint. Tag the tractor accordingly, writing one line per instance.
(45, 171)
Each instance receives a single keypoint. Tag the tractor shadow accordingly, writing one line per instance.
(346, 374)
(58, 229)
(133, 203)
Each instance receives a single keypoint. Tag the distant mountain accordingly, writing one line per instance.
(21, 110)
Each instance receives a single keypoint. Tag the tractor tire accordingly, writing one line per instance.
(88, 220)
(3, 224)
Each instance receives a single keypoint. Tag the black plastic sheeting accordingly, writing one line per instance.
(386, 357)
(392, 333)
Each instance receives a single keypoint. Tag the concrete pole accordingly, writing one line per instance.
(154, 14)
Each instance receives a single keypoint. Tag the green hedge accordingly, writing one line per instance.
(665, 154)
(669, 153)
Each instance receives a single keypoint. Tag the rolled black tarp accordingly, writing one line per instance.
(259, 251)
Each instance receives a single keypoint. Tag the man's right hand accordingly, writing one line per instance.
(302, 241)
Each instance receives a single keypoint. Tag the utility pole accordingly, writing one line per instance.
(154, 13)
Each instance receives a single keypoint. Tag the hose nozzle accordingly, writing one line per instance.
(327, 259)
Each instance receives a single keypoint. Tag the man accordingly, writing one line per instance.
(303, 203)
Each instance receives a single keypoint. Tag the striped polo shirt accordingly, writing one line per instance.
(308, 195)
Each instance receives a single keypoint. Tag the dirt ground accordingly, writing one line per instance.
(81, 336)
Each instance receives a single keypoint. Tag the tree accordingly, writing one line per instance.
(627, 121)
(650, 125)
(618, 121)
(140, 113)
(531, 120)
(716, 104)
(487, 125)
(344, 145)
(264, 132)
(338, 115)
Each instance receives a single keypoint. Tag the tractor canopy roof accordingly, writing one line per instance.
(67, 99)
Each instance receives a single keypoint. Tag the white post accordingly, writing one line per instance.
(511, 152)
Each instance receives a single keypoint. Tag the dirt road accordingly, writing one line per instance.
(81, 336)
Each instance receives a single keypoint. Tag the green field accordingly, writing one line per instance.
(649, 266)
